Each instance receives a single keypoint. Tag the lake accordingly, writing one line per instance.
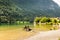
(16, 32)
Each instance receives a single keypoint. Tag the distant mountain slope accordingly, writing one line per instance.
(49, 7)
(27, 10)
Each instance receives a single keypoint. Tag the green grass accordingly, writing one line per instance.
(9, 27)
(15, 26)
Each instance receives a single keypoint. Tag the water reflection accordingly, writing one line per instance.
(48, 27)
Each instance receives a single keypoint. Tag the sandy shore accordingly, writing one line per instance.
(48, 35)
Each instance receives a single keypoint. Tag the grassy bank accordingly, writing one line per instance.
(13, 26)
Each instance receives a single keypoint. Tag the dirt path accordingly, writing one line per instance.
(48, 35)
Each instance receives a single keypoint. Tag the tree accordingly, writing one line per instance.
(43, 19)
(37, 19)
(48, 20)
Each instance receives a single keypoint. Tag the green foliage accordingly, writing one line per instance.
(43, 19)
(13, 13)
(55, 21)
(59, 21)
(8, 12)
(47, 20)
(37, 19)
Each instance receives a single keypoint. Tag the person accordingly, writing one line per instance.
(27, 28)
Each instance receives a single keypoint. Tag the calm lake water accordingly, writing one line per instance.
(40, 27)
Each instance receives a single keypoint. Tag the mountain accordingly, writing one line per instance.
(27, 10)
(49, 7)
(33, 8)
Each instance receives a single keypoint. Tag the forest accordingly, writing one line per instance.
(11, 11)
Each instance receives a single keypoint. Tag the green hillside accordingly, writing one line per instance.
(20, 10)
